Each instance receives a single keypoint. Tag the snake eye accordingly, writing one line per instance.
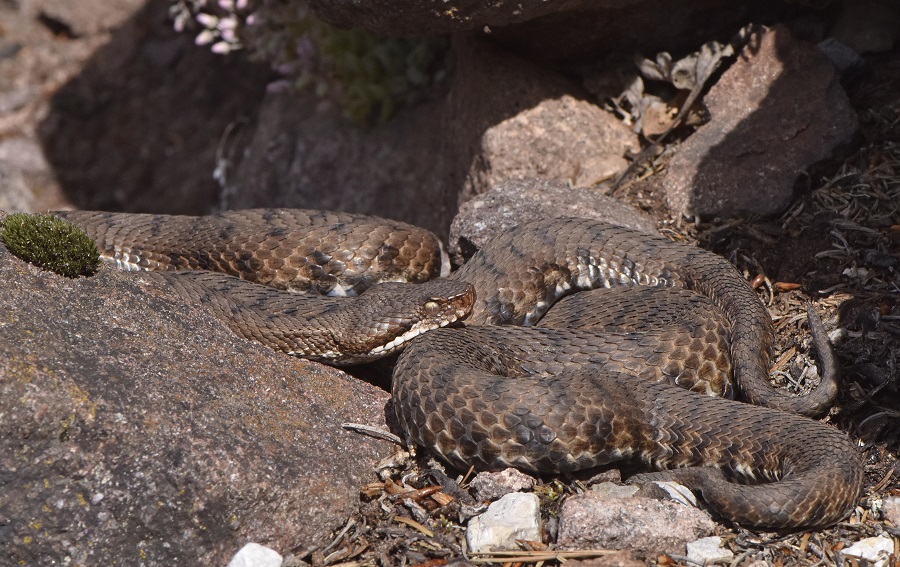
(431, 308)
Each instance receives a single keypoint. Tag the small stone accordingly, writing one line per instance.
(515, 516)
(708, 550)
(644, 525)
(611, 490)
(876, 550)
(255, 555)
(890, 508)
(493, 485)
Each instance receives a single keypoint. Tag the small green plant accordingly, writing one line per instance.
(51, 243)
(367, 76)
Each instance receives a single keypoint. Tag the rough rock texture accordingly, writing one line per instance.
(557, 29)
(646, 526)
(492, 485)
(890, 508)
(620, 559)
(776, 111)
(563, 138)
(513, 202)
(516, 516)
(135, 429)
(419, 166)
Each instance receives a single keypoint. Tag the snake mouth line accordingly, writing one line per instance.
(405, 338)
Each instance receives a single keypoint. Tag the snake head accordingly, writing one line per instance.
(391, 314)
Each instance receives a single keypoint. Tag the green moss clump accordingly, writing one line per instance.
(51, 243)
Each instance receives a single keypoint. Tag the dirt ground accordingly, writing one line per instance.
(838, 246)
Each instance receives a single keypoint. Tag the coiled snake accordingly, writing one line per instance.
(540, 398)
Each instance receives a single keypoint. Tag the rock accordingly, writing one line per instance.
(515, 516)
(85, 17)
(15, 195)
(875, 550)
(648, 527)
(890, 508)
(133, 425)
(776, 111)
(868, 26)
(417, 167)
(303, 156)
(612, 490)
(492, 485)
(256, 555)
(621, 559)
(562, 138)
(511, 203)
(708, 550)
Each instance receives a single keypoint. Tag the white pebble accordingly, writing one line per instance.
(708, 550)
(515, 516)
(875, 550)
(255, 555)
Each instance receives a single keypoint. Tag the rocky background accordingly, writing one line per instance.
(136, 430)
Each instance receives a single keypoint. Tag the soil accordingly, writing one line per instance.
(838, 247)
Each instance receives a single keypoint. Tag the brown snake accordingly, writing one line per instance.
(540, 399)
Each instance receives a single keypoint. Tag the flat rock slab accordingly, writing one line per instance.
(135, 429)
(777, 110)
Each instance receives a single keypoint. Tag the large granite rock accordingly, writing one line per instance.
(135, 429)
(777, 110)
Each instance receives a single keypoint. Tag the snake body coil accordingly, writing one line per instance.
(542, 399)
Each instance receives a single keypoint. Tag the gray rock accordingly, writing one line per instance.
(515, 516)
(513, 202)
(256, 555)
(562, 138)
(133, 425)
(493, 485)
(709, 550)
(776, 111)
(612, 490)
(646, 526)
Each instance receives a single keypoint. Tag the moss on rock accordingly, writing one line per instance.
(51, 243)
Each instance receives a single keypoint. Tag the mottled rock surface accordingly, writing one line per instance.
(561, 138)
(135, 429)
(646, 526)
(513, 202)
(493, 485)
(777, 110)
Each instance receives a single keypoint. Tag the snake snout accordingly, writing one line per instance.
(397, 313)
